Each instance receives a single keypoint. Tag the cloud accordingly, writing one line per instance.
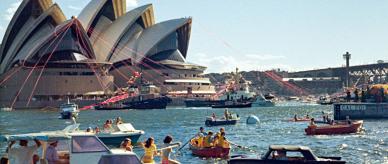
(74, 8)
(132, 3)
(9, 12)
(249, 62)
(265, 57)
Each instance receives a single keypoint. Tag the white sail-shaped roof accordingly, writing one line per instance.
(107, 41)
(27, 12)
(45, 22)
(155, 34)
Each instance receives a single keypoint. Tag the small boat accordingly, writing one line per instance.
(69, 110)
(116, 135)
(325, 100)
(300, 120)
(5, 109)
(213, 152)
(262, 102)
(337, 128)
(233, 104)
(210, 121)
(280, 154)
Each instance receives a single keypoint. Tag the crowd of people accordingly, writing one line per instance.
(366, 95)
(207, 139)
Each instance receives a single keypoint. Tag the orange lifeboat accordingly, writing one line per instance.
(338, 128)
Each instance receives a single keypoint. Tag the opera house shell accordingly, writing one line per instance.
(46, 58)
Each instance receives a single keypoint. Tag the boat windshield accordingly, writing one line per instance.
(83, 144)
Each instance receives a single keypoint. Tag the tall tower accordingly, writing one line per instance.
(347, 56)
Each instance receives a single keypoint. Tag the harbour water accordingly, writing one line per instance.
(371, 146)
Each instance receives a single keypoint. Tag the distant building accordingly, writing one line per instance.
(45, 58)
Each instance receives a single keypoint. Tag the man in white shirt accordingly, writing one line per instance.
(22, 154)
(52, 154)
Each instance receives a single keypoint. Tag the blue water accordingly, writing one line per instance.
(369, 147)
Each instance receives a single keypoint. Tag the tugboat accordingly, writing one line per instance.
(69, 110)
(149, 98)
(237, 90)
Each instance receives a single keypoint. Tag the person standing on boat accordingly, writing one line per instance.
(214, 117)
(127, 144)
(52, 154)
(150, 151)
(167, 149)
(226, 114)
(348, 96)
(22, 154)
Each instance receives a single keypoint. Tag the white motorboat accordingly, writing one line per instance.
(113, 136)
(69, 110)
(262, 102)
(77, 149)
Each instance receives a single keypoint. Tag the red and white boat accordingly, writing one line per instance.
(338, 128)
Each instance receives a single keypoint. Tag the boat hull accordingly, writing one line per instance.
(255, 161)
(116, 140)
(215, 152)
(203, 103)
(69, 115)
(111, 108)
(341, 128)
(238, 105)
(154, 103)
(221, 122)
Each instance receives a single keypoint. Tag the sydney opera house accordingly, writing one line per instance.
(46, 57)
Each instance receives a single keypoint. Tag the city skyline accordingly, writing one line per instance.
(260, 35)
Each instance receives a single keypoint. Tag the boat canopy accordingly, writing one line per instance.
(42, 136)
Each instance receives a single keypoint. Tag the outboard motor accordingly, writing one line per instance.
(252, 119)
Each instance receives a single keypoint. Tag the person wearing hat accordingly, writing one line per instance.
(22, 154)
(52, 156)
(127, 144)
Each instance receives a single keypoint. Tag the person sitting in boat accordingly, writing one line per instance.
(348, 120)
(201, 131)
(127, 144)
(295, 117)
(167, 149)
(307, 116)
(107, 126)
(281, 155)
(119, 121)
(150, 151)
(213, 117)
(222, 142)
(96, 130)
(208, 140)
(312, 123)
(23, 153)
(89, 130)
(52, 156)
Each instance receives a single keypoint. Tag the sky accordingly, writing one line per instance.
(291, 35)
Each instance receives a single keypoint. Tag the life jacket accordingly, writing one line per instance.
(207, 141)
